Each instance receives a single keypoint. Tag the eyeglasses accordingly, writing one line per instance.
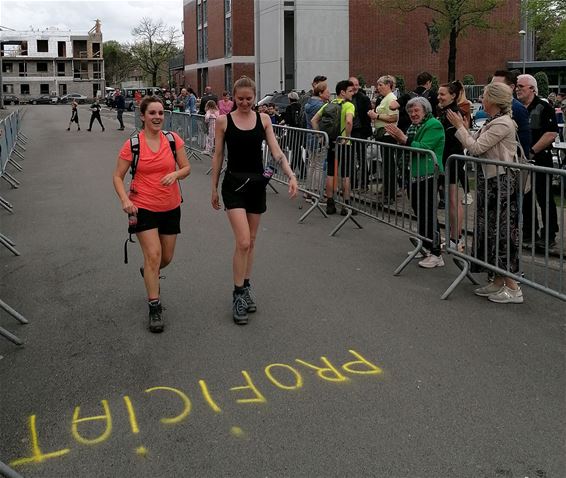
(524, 86)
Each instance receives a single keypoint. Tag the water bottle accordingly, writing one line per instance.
(268, 171)
(132, 220)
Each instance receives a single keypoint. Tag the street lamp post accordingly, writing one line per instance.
(523, 34)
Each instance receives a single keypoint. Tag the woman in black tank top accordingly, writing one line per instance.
(243, 188)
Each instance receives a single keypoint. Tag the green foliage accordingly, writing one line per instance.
(400, 81)
(450, 19)
(547, 19)
(542, 82)
(362, 81)
(435, 83)
(118, 62)
(468, 80)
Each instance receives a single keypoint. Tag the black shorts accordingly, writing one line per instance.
(239, 194)
(166, 223)
(347, 165)
(457, 173)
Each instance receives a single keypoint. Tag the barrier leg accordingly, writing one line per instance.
(464, 267)
(23, 136)
(17, 153)
(343, 222)
(8, 472)
(21, 139)
(315, 205)
(273, 188)
(18, 145)
(16, 165)
(7, 239)
(7, 205)
(418, 243)
(10, 180)
(16, 340)
(19, 317)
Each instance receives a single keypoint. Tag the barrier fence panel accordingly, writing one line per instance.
(306, 151)
(499, 229)
(8, 472)
(395, 185)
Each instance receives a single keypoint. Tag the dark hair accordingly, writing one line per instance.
(319, 78)
(423, 78)
(343, 86)
(454, 87)
(148, 100)
(271, 105)
(509, 77)
(190, 90)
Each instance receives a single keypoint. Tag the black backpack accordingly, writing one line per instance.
(330, 120)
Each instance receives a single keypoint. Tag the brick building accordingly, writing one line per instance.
(284, 44)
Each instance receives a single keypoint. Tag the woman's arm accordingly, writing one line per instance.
(220, 129)
(120, 171)
(487, 139)
(278, 155)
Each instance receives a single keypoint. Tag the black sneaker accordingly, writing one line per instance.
(156, 324)
(330, 206)
(249, 297)
(240, 309)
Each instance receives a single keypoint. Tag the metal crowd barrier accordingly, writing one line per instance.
(502, 203)
(11, 138)
(8, 472)
(306, 151)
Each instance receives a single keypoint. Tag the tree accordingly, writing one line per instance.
(546, 20)
(155, 44)
(118, 62)
(542, 83)
(400, 82)
(451, 19)
(468, 80)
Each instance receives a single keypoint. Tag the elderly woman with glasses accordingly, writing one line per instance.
(425, 132)
(496, 240)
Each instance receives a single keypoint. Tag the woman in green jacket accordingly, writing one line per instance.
(425, 132)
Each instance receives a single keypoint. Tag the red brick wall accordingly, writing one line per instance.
(191, 79)
(398, 45)
(190, 36)
(215, 29)
(243, 28)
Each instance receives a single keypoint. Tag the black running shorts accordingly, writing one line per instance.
(166, 223)
(239, 194)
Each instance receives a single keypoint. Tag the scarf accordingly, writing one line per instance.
(414, 128)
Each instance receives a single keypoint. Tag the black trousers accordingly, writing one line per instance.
(95, 116)
(119, 114)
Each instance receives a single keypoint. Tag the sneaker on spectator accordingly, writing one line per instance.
(468, 199)
(507, 296)
(330, 206)
(488, 290)
(432, 261)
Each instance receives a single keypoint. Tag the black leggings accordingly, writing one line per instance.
(97, 117)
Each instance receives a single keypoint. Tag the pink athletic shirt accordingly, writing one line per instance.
(150, 193)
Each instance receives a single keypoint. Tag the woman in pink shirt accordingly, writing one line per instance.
(225, 105)
(154, 198)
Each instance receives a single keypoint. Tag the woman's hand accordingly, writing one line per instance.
(372, 114)
(455, 119)
(129, 207)
(169, 179)
(215, 201)
(396, 133)
(293, 187)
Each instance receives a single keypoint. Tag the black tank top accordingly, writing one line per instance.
(244, 147)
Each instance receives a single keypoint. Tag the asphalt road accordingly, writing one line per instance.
(344, 371)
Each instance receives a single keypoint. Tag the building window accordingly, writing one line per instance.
(227, 6)
(202, 31)
(228, 84)
(8, 88)
(60, 69)
(205, 43)
(24, 89)
(44, 89)
(23, 69)
(24, 48)
(41, 67)
(61, 48)
(42, 46)
(62, 90)
(7, 67)
(96, 70)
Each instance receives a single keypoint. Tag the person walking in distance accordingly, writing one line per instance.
(154, 198)
(74, 116)
(95, 114)
(242, 132)
(208, 95)
(120, 103)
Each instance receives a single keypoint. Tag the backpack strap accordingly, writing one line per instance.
(172, 143)
(135, 149)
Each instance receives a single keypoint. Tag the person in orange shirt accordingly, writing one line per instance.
(154, 198)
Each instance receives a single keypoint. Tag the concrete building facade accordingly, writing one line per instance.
(52, 62)
(283, 44)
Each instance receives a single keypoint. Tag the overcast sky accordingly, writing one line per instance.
(118, 17)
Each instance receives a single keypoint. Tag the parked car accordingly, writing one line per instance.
(279, 99)
(42, 100)
(11, 100)
(73, 96)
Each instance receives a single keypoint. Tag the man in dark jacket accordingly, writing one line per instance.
(120, 104)
(361, 129)
(208, 95)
